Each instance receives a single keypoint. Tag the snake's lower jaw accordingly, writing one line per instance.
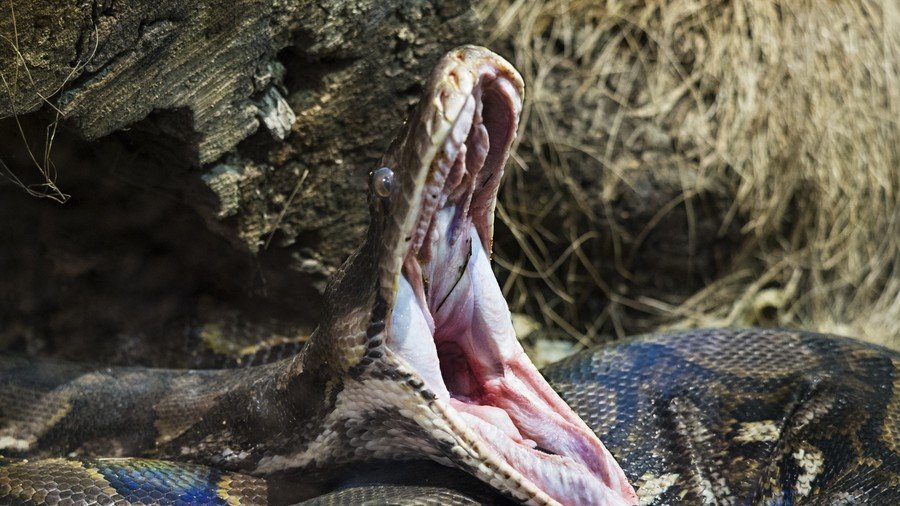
(521, 424)
(513, 427)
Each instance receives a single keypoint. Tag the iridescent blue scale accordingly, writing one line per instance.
(155, 481)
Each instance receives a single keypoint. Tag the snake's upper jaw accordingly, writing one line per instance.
(450, 323)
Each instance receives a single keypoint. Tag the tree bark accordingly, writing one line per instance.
(254, 119)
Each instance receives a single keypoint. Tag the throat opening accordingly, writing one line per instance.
(457, 373)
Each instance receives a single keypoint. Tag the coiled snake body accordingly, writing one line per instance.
(722, 416)
(416, 358)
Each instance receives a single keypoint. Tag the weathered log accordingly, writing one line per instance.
(261, 116)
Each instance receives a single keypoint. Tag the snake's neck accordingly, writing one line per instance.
(253, 417)
(230, 418)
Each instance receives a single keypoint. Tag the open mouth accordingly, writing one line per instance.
(450, 322)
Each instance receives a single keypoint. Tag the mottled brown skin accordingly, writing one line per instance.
(226, 418)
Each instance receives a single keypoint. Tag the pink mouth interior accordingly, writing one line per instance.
(451, 323)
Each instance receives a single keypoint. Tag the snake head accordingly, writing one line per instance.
(432, 363)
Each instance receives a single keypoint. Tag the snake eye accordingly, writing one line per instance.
(383, 182)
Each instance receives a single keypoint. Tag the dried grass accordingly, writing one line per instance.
(46, 186)
(787, 109)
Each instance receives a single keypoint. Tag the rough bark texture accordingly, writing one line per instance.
(215, 153)
(107, 65)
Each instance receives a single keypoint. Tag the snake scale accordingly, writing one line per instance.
(416, 358)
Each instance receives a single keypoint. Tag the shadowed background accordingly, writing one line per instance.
(681, 164)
